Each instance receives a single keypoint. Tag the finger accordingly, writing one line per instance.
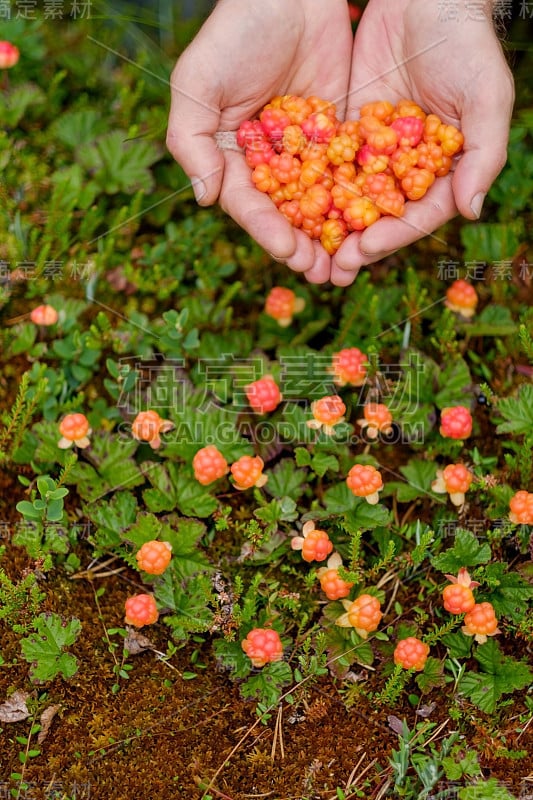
(193, 120)
(320, 272)
(257, 214)
(485, 149)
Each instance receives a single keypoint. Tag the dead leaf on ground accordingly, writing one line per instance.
(46, 720)
(15, 708)
(136, 643)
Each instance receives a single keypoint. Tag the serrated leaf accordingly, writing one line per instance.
(467, 551)
(146, 528)
(455, 383)
(339, 499)
(45, 647)
(517, 411)
(432, 677)
(285, 481)
(112, 516)
(322, 462)
(366, 516)
(500, 675)
(119, 165)
(458, 644)
(485, 790)
(419, 476)
(302, 456)
(509, 592)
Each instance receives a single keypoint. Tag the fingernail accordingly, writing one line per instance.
(199, 189)
(477, 204)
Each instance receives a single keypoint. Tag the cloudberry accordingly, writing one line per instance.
(315, 544)
(462, 298)
(44, 315)
(417, 182)
(148, 427)
(360, 213)
(333, 586)
(74, 430)
(458, 597)
(409, 130)
(455, 422)
(209, 465)
(454, 479)
(141, 610)
(521, 505)
(334, 232)
(9, 55)
(282, 304)
(248, 472)
(364, 614)
(411, 653)
(365, 481)
(154, 557)
(377, 419)
(348, 367)
(263, 645)
(263, 395)
(327, 412)
(481, 622)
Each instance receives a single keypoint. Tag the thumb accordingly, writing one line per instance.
(193, 121)
(485, 125)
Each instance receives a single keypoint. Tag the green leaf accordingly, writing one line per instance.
(322, 462)
(286, 481)
(302, 456)
(500, 675)
(366, 517)
(339, 499)
(28, 510)
(455, 383)
(146, 528)
(485, 790)
(517, 411)
(419, 475)
(44, 649)
(112, 516)
(458, 644)
(491, 241)
(467, 551)
(432, 677)
(494, 320)
(119, 165)
(509, 593)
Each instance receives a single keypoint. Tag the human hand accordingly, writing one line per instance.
(454, 68)
(245, 54)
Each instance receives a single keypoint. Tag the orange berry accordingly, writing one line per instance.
(365, 481)
(332, 584)
(417, 182)
(381, 110)
(521, 505)
(481, 622)
(411, 653)
(458, 599)
(377, 419)
(248, 472)
(327, 412)
(281, 304)
(364, 614)
(315, 201)
(141, 610)
(349, 367)
(44, 315)
(154, 557)
(74, 429)
(342, 148)
(315, 544)
(334, 232)
(262, 646)
(148, 427)
(209, 465)
(454, 479)
(462, 298)
(455, 422)
(361, 213)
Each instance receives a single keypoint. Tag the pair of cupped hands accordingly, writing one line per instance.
(249, 51)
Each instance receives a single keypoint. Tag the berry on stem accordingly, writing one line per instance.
(481, 622)
(148, 427)
(377, 419)
(141, 610)
(263, 646)
(458, 597)
(333, 586)
(315, 544)
(248, 472)
(521, 508)
(9, 55)
(74, 430)
(209, 465)
(462, 298)
(282, 304)
(263, 395)
(348, 367)
(327, 412)
(454, 479)
(411, 653)
(44, 315)
(154, 557)
(364, 614)
(365, 481)
(455, 422)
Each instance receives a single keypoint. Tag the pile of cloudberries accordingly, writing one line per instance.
(330, 178)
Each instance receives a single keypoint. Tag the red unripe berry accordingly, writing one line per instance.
(521, 508)
(455, 422)
(411, 653)
(292, 212)
(260, 153)
(262, 646)
(249, 133)
(409, 130)
(274, 122)
(263, 395)
(154, 557)
(141, 610)
(209, 465)
(9, 55)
